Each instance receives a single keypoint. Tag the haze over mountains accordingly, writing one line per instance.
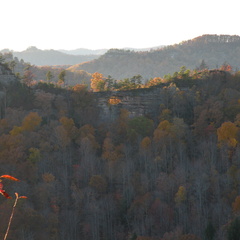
(213, 50)
(85, 51)
(39, 57)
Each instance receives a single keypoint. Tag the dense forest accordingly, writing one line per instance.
(213, 49)
(172, 175)
(32, 73)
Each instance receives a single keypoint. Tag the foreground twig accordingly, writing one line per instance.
(10, 219)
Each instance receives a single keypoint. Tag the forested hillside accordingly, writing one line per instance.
(51, 57)
(40, 57)
(213, 50)
(32, 74)
(172, 175)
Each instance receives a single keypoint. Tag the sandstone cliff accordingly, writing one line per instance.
(6, 78)
(139, 102)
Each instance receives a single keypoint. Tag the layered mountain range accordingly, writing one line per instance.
(51, 57)
(212, 50)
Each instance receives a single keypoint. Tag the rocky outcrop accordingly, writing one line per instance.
(6, 78)
(6, 75)
(139, 102)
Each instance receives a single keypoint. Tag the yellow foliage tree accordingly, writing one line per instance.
(34, 155)
(163, 130)
(16, 130)
(98, 82)
(67, 123)
(164, 125)
(31, 121)
(110, 152)
(146, 143)
(180, 196)
(227, 133)
(79, 87)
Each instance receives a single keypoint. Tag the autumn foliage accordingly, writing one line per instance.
(114, 100)
(163, 166)
(227, 133)
(97, 82)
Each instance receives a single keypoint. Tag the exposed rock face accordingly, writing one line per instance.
(139, 102)
(6, 77)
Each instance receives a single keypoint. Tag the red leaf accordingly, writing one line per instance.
(9, 177)
(23, 197)
(4, 194)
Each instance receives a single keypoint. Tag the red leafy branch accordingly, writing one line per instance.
(3, 192)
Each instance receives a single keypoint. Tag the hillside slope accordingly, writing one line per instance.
(213, 49)
(38, 73)
(165, 165)
(85, 51)
(39, 57)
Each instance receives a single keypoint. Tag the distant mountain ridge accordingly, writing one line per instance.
(215, 50)
(39, 57)
(85, 51)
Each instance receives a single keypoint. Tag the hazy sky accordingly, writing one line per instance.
(94, 24)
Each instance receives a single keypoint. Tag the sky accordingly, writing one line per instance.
(97, 24)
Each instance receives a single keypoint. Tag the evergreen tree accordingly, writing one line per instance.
(49, 76)
(61, 77)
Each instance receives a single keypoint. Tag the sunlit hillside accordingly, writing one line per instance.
(214, 50)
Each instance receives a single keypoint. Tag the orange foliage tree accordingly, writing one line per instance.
(110, 152)
(153, 82)
(236, 205)
(146, 143)
(79, 87)
(29, 123)
(114, 100)
(98, 82)
(69, 125)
